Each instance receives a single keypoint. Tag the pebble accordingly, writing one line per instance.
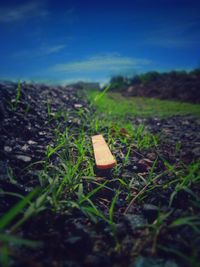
(135, 168)
(25, 147)
(78, 105)
(31, 142)
(7, 149)
(23, 158)
(42, 133)
(135, 220)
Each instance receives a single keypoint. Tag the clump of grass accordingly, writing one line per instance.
(15, 103)
(186, 179)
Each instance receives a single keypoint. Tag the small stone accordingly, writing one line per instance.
(135, 168)
(31, 142)
(78, 105)
(42, 133)
(24, 147)
(23, 158)
(7, 149)
(135, 220)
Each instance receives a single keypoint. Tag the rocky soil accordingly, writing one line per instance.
(70, 238)
(26, 129)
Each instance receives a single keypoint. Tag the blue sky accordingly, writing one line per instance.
(66, 41)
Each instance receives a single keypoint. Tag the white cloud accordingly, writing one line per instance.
(22, 12)
(51, 49)
(42, 51)
(108, 63)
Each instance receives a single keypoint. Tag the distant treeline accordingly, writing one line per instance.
(177, 85)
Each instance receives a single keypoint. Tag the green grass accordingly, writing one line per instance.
(14, 104)
(115, 105)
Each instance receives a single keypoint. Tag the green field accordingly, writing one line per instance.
(114, 104)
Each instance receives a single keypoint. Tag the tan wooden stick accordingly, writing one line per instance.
(103, 157)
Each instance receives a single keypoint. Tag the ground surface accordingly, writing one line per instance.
(56, 209)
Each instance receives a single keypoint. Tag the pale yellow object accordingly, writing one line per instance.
(103, 156)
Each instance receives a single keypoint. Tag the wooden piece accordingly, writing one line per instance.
(103, 157)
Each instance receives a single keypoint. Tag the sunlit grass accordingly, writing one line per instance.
(115, 105)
